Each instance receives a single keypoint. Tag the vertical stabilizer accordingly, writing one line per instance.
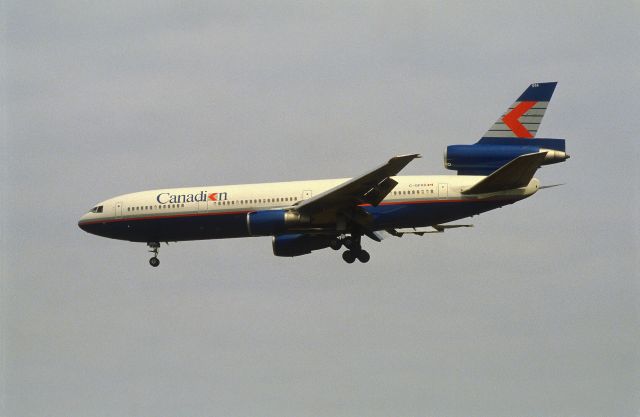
(523, 118)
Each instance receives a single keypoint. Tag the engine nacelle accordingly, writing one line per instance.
(489, 154)
(298, 244)
(273, 222)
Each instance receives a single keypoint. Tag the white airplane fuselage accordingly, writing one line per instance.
(212, 212)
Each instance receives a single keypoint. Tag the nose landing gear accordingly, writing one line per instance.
(155, 248)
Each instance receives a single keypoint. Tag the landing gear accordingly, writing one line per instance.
(354, 250)
(154, 248)
(364, 256)
(350, 255)
(335, 244)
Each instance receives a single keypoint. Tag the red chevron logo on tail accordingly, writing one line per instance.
(512, 119)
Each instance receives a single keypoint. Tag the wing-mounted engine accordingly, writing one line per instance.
(272, 222)
(489, 154)
(299, 244)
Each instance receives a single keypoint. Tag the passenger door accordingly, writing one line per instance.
(443, 190)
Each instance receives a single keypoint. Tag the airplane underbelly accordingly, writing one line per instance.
(176, 228)
(429, 213)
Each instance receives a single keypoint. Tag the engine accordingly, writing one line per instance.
(298, 244)
(273, 222)
(489, 154)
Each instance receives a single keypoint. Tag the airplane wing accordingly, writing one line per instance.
(514, 174)
(370, 188)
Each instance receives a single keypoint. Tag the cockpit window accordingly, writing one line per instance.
(97, 209)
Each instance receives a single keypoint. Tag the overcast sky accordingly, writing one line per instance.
(534, 312)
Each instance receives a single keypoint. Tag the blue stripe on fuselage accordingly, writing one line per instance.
(231, 225)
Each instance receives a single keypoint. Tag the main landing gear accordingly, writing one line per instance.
(155, 248)
(354, 249)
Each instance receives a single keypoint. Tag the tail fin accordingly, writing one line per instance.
(523, 118)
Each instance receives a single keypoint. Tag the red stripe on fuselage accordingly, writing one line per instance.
(228, 213)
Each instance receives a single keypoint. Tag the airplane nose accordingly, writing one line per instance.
(81, 223)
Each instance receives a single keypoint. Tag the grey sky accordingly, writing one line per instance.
(534, 312)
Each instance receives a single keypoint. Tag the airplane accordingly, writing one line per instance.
(305, 216)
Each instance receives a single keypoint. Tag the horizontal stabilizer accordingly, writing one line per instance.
(514, 174)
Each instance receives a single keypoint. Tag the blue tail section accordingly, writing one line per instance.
(538, 92)
(511, 136)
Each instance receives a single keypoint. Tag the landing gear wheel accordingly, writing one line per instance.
(154, 248)
(363, 256)
(335, 244)
(348, 256)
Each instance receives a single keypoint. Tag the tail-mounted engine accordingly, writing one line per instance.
(489, 154)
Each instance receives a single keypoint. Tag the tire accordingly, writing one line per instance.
(348, 256)
(335, 244)
(154, 262)
(364, 256)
